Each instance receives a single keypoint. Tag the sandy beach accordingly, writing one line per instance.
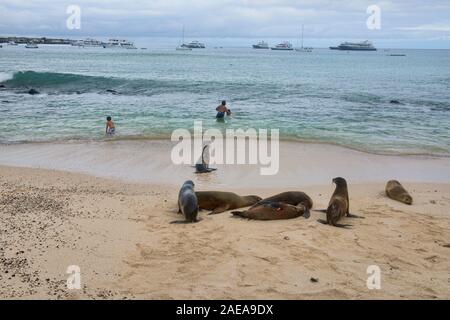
(107, 208)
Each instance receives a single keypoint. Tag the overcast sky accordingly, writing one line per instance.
(417, 22)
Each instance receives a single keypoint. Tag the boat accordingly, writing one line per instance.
(194, 45)
(355, 46)
(88, 42)
(12, 43)
(284, 46)
(303, 49)
(31, 45)
(261, 45)
(182, 46)
(119, 44)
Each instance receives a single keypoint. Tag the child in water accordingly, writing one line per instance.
(110, 127)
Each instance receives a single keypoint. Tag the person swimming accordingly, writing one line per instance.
(110, 126)
(222, 110)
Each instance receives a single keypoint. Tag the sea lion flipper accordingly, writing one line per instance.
(343, 226)
(322, 221)
(219, 210)
(349, 215)
(307, 214)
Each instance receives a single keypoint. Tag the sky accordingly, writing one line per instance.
(403, 23)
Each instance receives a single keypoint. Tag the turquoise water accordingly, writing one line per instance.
(324, 96)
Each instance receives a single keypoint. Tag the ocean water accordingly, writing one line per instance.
(324, 96)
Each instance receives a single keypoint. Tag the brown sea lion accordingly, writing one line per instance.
(339, 205)
(273, 211)
(395, 191)
(219, 201)
(290, 197)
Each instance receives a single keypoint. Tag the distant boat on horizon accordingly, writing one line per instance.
(31, 46)
(303, 49)
(194, 45)
(355, 46)
(182, 46)
(116, 44)
(261, 45)
(284, 46)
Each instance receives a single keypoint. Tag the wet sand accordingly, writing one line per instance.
(114, 223)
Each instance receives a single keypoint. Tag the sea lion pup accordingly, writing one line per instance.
(290, 197)
(219, 201)
(274, 211)
(395, 191)
(339, 205)
(187, 203)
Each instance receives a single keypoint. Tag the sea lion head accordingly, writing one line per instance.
(189, 183)
(340, 182)
(407, 199)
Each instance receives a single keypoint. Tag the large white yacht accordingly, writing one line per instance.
(182, 46)
(117, 43)
(355, 46)
(194, 45)
(284, 46)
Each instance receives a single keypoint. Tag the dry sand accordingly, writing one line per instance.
(119, 234)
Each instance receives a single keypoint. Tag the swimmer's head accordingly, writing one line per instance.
(224, 102)
(108, 118)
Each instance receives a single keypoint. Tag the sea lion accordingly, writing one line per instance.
(290, 197)
(33, 91)
(395, 191)
(203, 167)
(273, 211)
(187, 203)
(219, 201)
(339, 205)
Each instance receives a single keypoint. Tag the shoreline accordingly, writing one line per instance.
(301, 164)
(166, 138)
(119, 234)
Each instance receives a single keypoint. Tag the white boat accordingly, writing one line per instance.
(355, 46)
(12, 43)
(303, 49)
(261, 45)
(31, 46)
(119, 44)
(183, 46)
(194, 45)
(88, 42)
(284, 46)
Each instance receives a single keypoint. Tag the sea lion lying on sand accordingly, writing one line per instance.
(339, 205)
(395, 191)
(290, 197)
(274, 211)
(187, 203)
(219, 201)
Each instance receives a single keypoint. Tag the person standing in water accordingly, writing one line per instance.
(222, 110)
(110, 126)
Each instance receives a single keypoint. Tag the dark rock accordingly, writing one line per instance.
(2, 86)
(111, 91)
(33, 91)
(314, 280)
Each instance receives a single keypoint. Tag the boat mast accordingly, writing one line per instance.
(302, 35)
